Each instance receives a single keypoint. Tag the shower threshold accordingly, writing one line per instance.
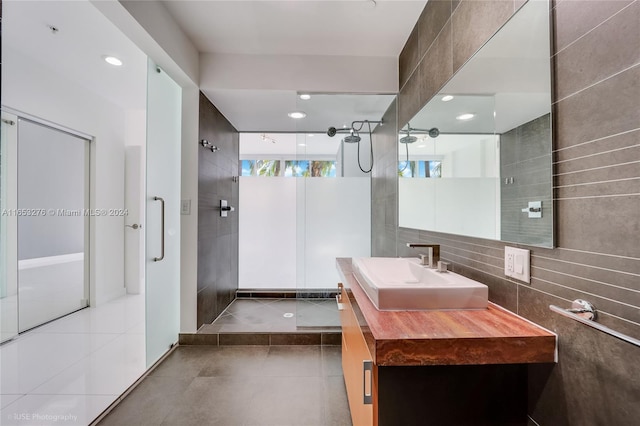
(274, 317)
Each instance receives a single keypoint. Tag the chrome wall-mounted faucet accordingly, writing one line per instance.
(432, 257)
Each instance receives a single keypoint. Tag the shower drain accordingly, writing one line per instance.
(288, 315)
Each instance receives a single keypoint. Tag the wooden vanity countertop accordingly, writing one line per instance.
(448, 337)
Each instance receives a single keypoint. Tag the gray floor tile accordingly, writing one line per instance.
(242, 306)
(240, 385)
(239, 361)
(284, 305)
(336, 405)
(215, 401)
(300, 361)
(185, 361)
(149, 403)
(332, 360)
(267, 315)
(287, 401)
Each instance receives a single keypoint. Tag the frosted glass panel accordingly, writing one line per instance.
(338, 224)
(267, 232)
(164, 103)
(292, 229)
(8, 226)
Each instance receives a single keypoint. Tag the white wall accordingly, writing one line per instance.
(165, 32)
(329, 74)
(189, 223)
(30, 87)
(135, 203)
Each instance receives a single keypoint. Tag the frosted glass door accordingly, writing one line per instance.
(162, 287)
(52, 223)
(8, 253)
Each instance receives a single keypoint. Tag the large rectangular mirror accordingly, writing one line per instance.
(476, 160)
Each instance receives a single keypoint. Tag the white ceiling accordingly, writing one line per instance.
(306, 27)
(256, 56)
(284, 145)
(360, 37)
(76, 50)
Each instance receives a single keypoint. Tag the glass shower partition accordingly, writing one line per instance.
(334, 220)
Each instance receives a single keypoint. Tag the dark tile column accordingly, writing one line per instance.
(217, 236)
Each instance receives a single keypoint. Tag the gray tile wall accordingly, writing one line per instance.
(384, 192)
(525, 156)
(217, 236)
(596, 122)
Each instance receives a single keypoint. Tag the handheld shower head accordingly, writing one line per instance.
(332, 132)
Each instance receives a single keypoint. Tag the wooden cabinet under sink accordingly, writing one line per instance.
(357, 365)
(439, 367)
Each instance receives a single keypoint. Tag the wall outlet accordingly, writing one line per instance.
(517, 264)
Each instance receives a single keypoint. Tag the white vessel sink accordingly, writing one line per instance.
(395, 284)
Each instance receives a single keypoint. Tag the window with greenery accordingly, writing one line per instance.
(323, 169)
(292, 168)
(420, 169)
(296, 168)
(260, 167)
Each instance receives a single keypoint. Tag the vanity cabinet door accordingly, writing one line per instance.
(357, 367)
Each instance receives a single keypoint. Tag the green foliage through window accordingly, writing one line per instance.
(420, 169)
(292, 168)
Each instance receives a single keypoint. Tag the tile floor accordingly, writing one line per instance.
(240, 385)
(70, 370)
(268, 315)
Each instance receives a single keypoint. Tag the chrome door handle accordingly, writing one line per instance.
(158, 259)
(134, 226)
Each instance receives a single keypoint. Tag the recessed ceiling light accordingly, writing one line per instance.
(447, 98)
(467, 116)
(302, 144)
(305, 96)
(310, 135)
(297, 114)
(113, 61)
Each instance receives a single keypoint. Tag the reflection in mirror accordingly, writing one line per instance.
(476, 160)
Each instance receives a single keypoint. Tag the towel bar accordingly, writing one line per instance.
(584, 312)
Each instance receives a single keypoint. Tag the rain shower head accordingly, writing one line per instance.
(354, 138)
(433, 132)
(408, 139)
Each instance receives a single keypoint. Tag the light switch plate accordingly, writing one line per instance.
(517, 264)
(185, 207)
